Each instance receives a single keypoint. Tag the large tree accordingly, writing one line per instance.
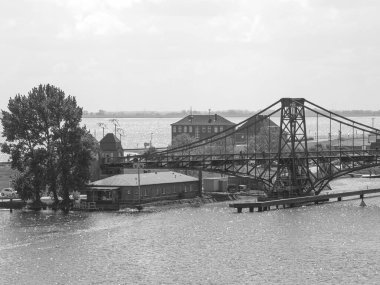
(266, 141)
(46, 143)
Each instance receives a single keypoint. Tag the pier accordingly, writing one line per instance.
(292, 202)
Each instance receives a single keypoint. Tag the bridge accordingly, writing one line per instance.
(290, 158)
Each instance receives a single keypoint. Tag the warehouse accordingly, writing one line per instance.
(133, 189)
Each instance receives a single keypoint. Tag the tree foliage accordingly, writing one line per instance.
(46, 143)
(266, 141)
(181, 139)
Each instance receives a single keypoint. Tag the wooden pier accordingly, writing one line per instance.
(292, 202)
(11, 203)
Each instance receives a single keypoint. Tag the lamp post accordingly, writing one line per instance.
(115, 122)
(137, 161)
(121, 132)
(103, 126)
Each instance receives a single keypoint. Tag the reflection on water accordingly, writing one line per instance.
(331, 243)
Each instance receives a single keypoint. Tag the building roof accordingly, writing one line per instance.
(262, 121)
(212, 120)
(110, 143)
(145, 179)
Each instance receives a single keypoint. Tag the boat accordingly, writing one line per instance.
(371, 176)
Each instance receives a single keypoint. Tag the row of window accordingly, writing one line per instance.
(189, 129)
(162, 191)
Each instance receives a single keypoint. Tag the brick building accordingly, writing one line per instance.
(200, 126)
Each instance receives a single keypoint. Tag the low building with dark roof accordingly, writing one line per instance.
(200, 126)
(132, 189)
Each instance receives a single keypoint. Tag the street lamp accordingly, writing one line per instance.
(121, 132)
(103, 126)
(115, 122)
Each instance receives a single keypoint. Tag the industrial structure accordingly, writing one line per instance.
(287, 162)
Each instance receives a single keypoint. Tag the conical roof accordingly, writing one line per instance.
(110, 143)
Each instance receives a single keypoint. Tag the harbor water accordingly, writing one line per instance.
(333, 243)
(137, 131)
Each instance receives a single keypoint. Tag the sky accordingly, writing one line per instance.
(168, 55)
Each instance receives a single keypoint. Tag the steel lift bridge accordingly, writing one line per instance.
(287, 158)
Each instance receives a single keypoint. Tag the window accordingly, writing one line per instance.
(203, 129)
(197, 132)
(174, 129)
(190, 129)
(185, 129)
(158, 191)
(146, 192)
(104, 195)
(129, 191)
(209, 129)
(221, 128)
(163, 191)
(215, 129)
(179, 129)
(185, 188)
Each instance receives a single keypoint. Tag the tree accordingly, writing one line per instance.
(180, 140)
(23, 142)
(266, 141)
(46, 143)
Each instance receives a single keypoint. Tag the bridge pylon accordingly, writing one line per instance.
(293, 177)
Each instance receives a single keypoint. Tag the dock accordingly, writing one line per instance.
(292, 202)
(13, 203)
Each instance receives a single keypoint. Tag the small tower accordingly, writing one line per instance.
(110, 147)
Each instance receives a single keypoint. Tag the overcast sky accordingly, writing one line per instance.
(170, 55)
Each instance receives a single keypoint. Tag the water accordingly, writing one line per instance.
(138, 131)
(335, 243)
(332, 243)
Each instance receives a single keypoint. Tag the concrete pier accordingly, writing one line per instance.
(292, 202)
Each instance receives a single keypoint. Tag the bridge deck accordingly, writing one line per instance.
(290, 202)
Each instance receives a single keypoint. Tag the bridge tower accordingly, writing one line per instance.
(293, 177)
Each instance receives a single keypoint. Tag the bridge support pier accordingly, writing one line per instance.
(239, 210)
(339, 199)
(361, 196)
(251, 209)
(260, 209)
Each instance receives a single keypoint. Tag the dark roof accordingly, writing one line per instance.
(213, 120)
(261, 122)
(110, 143)
(145, 179)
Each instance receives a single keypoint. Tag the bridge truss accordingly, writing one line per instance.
(279, 149)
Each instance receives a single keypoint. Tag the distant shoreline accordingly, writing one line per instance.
(142, 115)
